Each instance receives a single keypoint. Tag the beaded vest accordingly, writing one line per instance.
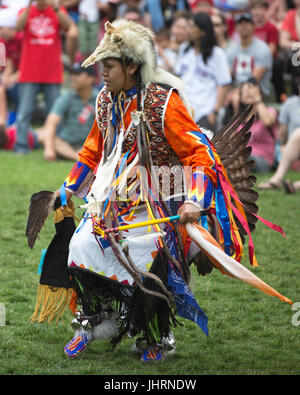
(154, 108)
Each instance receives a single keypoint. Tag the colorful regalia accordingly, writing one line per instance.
(144, 158)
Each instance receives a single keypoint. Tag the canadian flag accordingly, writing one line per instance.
(85, 113)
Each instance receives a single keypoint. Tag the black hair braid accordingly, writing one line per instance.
(139, 91)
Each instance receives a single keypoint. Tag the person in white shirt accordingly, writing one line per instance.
(204, 69)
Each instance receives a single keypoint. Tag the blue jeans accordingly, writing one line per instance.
(27, 95)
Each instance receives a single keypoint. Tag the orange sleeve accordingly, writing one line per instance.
(88, 159)
(91, 152)
(187, 140)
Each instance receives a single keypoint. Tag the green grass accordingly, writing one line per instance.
(250, 333)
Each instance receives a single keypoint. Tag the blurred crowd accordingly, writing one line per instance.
(229, 54)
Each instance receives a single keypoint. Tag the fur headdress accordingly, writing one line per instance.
(129, 39)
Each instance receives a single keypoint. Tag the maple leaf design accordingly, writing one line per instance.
(41, 26)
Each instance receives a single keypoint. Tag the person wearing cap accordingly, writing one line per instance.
(71, 116)
(128, 171)
(249, 58)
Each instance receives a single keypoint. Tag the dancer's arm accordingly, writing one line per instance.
(196, 155)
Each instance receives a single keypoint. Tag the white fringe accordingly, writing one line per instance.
(104, 178)
(143, 237)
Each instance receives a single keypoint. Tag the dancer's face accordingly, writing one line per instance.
(115, 77)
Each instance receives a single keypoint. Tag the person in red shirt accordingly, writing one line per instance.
(41, 67)
(289, 31)
(268, 32)
(264, 29)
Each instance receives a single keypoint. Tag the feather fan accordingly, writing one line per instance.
(41, 204)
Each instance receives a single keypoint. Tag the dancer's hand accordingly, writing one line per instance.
(188, 213)
(68, 194)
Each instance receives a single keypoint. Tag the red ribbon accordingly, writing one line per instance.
(227, 187)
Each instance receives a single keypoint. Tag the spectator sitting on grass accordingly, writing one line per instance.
(290, 154)
(71, 116)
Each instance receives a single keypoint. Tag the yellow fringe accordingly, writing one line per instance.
(66, 211)
(51, 302)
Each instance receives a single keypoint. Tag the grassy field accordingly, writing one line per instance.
(250, 333)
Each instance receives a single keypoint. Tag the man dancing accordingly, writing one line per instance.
(128, 281)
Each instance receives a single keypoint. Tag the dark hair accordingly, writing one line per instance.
(259, 3)
(253, 81)
(163, 32)
(134, 10)
(126, 62)
(208, 41)
(186, 14)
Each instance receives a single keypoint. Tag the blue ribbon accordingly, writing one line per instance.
(63, 196)
(40, 268)
(204, 221)
(222, 215)
(187, 306)
(131, 92)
